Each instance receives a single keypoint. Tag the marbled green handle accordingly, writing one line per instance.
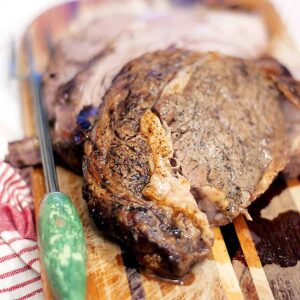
(62, 245)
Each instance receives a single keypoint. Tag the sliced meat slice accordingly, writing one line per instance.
(119, 180)
(175, 129)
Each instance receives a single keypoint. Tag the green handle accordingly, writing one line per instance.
(62, 245)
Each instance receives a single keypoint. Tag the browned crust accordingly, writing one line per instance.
(164, 241)
(116, 163)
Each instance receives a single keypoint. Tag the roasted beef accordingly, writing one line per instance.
(180, 133)
(83, 65)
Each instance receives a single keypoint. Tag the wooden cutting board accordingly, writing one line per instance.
(251, 260)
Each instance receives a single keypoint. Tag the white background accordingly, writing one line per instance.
(14, 17)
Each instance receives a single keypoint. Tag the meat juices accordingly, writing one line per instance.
(207, 125)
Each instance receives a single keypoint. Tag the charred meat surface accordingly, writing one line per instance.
(180, 133)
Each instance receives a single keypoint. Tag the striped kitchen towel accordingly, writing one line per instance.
(19, 263)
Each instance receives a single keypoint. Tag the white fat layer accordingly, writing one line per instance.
(164, 187)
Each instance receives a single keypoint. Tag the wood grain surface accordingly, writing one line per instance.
(241, 265)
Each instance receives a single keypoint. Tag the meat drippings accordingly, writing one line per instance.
(164, 187)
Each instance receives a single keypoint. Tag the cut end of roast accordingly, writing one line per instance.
(180, 134)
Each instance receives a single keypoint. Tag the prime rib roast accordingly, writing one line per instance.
(170, 138)
(180, 133)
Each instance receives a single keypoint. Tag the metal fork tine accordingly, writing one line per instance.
(41, 119)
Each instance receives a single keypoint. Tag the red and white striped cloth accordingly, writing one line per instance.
(19, 263)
